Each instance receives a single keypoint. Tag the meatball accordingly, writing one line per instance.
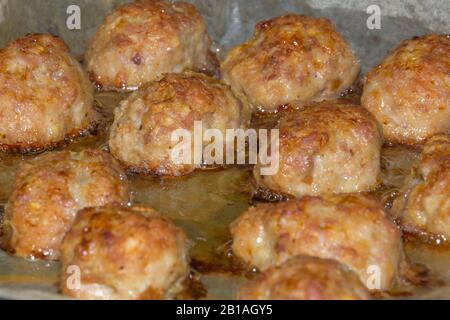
(330, 147)
(139, 41)
(424, 208)
(48, 192)
(352, 229)
(306, 278)
(409, 92)
(141, 135)
(45, 96)
(291, 58)
(124, 253)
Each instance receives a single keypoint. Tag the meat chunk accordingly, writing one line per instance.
(330, 147)
(306, 278)
(45, 96)
(143, 135)
(123, 253)
(352, 229)
(48, 192)
(423, 208)
(409, 92)
(141, 40)
(289, 59)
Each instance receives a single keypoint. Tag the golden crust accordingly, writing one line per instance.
(424, 207)
(141, 40)
(306, 278)
(48, 192)
(435, 154)
(124, 253)
(45, 96)
(289, 59)
(38, 148)
(409, 92)
(143, 124)
(352, 229)
(330, 147)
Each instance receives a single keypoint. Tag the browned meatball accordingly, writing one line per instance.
(306, 278)
(291, 58)
(409, 92)
(141, 135)
(139, 41)
(45, 96)
(331, 147)
(424, 206)
(48, 192)
(352, 229)
(124, 253)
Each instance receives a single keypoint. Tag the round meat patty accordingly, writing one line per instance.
(352, 229)
(423, 208)
(45, 96)
(145, 123)
(409, 92)
(289, 59)
(123, 253)
(48, 192)
(305, 278)
(331, 147)
(141, 40)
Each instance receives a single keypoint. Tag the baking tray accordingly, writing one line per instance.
(204, 203)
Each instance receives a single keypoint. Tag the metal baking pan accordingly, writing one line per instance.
(205, 216)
